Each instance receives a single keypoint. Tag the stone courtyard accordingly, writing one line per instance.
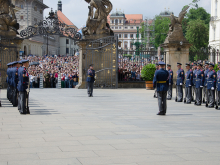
(115, 127)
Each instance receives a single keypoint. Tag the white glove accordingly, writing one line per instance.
(189, 85)
(181, 83)
(169, 83)
(201, 86)
(212, 88)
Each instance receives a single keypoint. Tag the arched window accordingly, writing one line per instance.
(116, 21)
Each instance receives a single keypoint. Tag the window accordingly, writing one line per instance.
(126, 36)
(131, 36)
(126, 45)
(21, 6)
(67, 41)
(119, 35)
(116, 27)
(113, 27)
(112, 21)
(126, 27)
(116, 22)
(119, 21)
(35, 8)
(216, 7)
(41, 11)
(132, 27)
(119, 27)
(21, 17)
(35, 20)
(67, 50)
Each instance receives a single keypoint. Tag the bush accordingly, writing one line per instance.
(216, 68)
(147, 73)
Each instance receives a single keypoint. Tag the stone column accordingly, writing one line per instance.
(176, 53)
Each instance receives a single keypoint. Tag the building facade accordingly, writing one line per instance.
(214, 27)
(125, 27)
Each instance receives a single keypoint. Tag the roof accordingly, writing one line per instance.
(62, 18)
(130, 18)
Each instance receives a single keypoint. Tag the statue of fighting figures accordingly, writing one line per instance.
(97, 22)
(175, 28)
(8, 21)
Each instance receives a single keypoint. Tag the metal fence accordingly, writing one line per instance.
(131, 62)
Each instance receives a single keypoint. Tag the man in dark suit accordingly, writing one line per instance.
(170, 89)
(90, 80)
(188, 85)
(161, 81)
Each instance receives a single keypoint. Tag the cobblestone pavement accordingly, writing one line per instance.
(115, 127)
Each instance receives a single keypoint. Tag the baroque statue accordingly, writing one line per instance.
(175, 33)
(8, 21)
(97, 22)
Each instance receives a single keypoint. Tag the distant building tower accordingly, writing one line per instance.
(59, 6)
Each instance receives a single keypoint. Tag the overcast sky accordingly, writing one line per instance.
(77, 10)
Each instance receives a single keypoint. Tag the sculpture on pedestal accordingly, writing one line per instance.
(8, 21)
(175, 28)
(97, 23)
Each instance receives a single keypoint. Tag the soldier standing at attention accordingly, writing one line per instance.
(199, 84)
(170, 89)
(189, 82)
(205, 97)
(155, 92)
(218, 84)
(90, 80)
(179, 82)
(211, 85)
(7, 80)
(14, 71)
(194, 82)
(161, 81)
(23, 82)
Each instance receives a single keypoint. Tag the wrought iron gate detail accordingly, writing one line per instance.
(103, 54)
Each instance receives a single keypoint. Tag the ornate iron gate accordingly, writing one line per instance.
(103, 54)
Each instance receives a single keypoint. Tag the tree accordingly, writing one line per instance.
(197, 33)
(160, 29)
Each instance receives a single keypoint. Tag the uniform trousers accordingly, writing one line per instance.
(205, 93)
(22, 102)
(198, 95)
(193, 93)
(90, 88)
(170, 92)
(155, 92)
(179, 92)
(188, 94)
(218, 98)
(14, 97)
(211, 96)
(162, 101)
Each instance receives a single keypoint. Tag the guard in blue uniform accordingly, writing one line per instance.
(194, 82)
(179, 82)
(199, 84)
(170, 89)
(218, 85)
(211, 85)
(206, 71)
(90, 80)
(23, 82)
(188, 85)
(14, 71)
(161, 81)
(8, 80)
(155, 91)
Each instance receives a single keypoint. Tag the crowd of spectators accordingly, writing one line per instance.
(50, 67)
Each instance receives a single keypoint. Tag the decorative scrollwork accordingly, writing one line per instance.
(50, 27)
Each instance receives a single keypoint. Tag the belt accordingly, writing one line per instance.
(161, 82)
(187, 79)
(179, 78)
(209, 81)
(90, 76)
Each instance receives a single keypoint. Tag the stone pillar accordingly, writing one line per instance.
(176, 53)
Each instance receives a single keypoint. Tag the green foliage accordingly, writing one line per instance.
(195, 14)
(197, 34)
(147, 73)
(161, 29)
(216, 68)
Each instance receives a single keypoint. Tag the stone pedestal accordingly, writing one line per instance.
(176, 53)
(96, 57)
(9, 52)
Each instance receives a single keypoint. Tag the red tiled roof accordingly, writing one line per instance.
(131, 18)
(62, 18)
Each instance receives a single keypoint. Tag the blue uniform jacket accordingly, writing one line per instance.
(189, 78)
(180, 76)
(7, 79)
(206, 76)
(170, 77)
(14, 79)
(9, 76)
(200, 78)
(23, 79)
(211, 81)
(90, 75)
(194, 77)
(218, 81)
(161, 80)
